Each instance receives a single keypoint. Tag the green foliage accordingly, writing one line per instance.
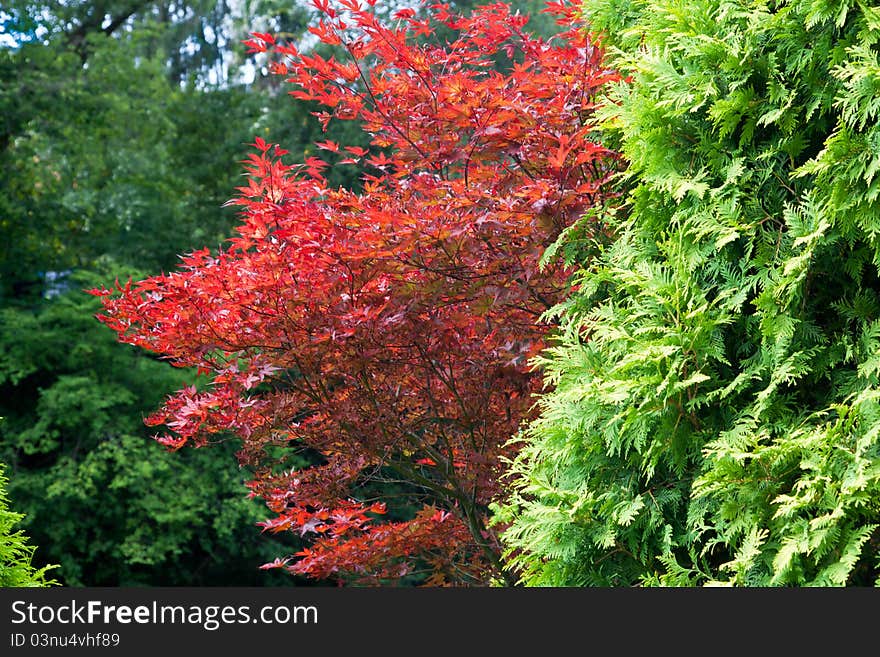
(114, 159)
(102, 499)
(110, 160)
(714, 401)
(105, 158)
(191, 37)
(16, 551)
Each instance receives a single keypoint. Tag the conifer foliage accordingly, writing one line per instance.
(16, 551)
(385, 334)
(715, 416)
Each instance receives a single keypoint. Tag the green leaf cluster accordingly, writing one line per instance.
(101, 498)
(712, 411)
(16, 551)
(109, 168)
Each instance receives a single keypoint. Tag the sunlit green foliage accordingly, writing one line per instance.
(16, 551)
(715, 403)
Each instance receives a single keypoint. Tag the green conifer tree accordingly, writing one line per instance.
(16, 553)
(713, 415)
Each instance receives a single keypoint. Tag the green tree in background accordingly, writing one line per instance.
(105, 168)
(109, 165)
(16, 552)
(104, 501)
(115, 157)
(715, 416)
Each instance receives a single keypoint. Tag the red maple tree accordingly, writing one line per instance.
(387, 332)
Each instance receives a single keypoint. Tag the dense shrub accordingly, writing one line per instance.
(714, 414)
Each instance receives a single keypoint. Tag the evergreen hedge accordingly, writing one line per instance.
(713, 408)
(16, 552)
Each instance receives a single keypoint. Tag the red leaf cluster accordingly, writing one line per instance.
(388, 330)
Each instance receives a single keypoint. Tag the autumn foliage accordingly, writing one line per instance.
(385, 333)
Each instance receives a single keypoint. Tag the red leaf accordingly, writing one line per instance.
(328, 146)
